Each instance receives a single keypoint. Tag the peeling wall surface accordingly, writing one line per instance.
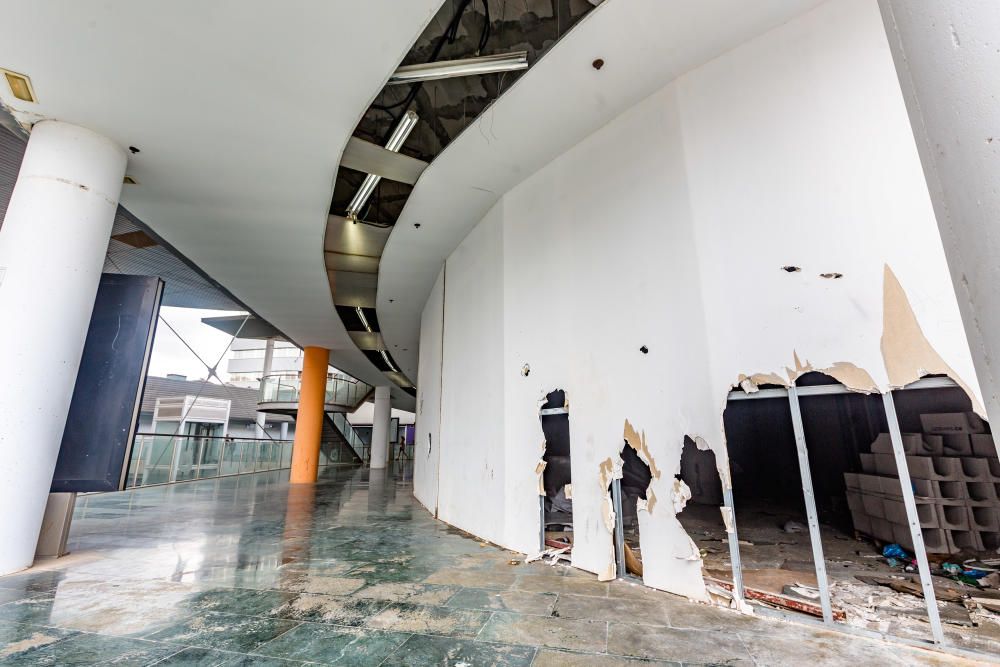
(667, 229)
(427, 439)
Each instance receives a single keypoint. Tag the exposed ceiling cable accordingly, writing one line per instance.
(449, 36)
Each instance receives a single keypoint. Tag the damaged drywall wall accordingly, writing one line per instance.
(620, 274)
(907, 353)
(670, 558)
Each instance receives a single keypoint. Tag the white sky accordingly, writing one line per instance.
(171, 356)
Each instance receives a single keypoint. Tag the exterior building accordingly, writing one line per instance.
(245, 362)
(241, 411)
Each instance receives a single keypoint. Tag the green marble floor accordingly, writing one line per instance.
(251, 571)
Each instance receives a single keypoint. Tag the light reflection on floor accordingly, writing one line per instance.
(250, 570)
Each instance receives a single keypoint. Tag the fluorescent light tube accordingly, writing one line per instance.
(364, 320)
(388, 363)
(447, 69)
(399, 135)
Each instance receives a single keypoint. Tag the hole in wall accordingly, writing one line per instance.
(636, 477)
(859, 503)
(557, 478)
(701, 518)
(791, 269)
(831, 276)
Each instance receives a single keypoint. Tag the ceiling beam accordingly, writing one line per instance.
(373, 159)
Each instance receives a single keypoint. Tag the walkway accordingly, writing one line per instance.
(249, 571)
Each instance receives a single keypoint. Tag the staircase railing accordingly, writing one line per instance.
(350, 435)
(340, 390)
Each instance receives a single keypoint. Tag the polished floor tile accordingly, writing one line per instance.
(331, 645)
(353, 571)
(422, 650)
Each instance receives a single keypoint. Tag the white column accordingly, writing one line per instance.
(268, 359)
(52, 247)
(946, 57)
(284, 431)
(380, 428)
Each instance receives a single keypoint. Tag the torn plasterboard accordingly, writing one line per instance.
(907, 353)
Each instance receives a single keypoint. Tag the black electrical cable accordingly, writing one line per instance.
(487, 28)
(448, 37)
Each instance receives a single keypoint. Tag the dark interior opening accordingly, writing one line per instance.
(636, 477)
(558, 473)
(859, 501)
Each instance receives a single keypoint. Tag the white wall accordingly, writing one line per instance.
(427, 439)
(591, 277)
(471, 484)
(668, 228)
(800, 153)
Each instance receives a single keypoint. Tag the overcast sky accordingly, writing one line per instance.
(171, 356)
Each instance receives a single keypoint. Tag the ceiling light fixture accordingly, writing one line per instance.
(364, 320)
(20, 85)
(388, 363)
(448, 69)
(399, 135)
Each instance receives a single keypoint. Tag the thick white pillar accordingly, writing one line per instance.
(380, 428)
(52, 247)
(268, 359)
(946, 57)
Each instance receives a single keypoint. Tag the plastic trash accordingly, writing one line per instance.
(894, 551)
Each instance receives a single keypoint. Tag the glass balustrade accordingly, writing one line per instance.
(165, 458)
(352, 437)
(340, 390)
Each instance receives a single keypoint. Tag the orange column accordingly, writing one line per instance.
(309, 422)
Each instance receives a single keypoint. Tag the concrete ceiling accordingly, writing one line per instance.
(241, 110)
(645, 44)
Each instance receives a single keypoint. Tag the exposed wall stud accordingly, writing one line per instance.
(734, 544)
(810, 503)
(910, 505)
(616, 500)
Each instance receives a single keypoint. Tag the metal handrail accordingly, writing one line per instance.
(165, 458)
(340, 389)
(353, 439)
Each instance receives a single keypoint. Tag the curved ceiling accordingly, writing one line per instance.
(644, 44)
(240, 110)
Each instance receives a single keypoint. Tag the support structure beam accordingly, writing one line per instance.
(52, 245)
(268, 360)
(380, 428)
(948, 65)
(309, 418)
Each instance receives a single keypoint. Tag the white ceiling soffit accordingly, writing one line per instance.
(240, 109)
(645, 44)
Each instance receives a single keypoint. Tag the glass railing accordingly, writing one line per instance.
(340, 390)
(352, 437)
(166, 458)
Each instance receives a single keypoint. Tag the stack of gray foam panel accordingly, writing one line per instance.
(956, 484)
